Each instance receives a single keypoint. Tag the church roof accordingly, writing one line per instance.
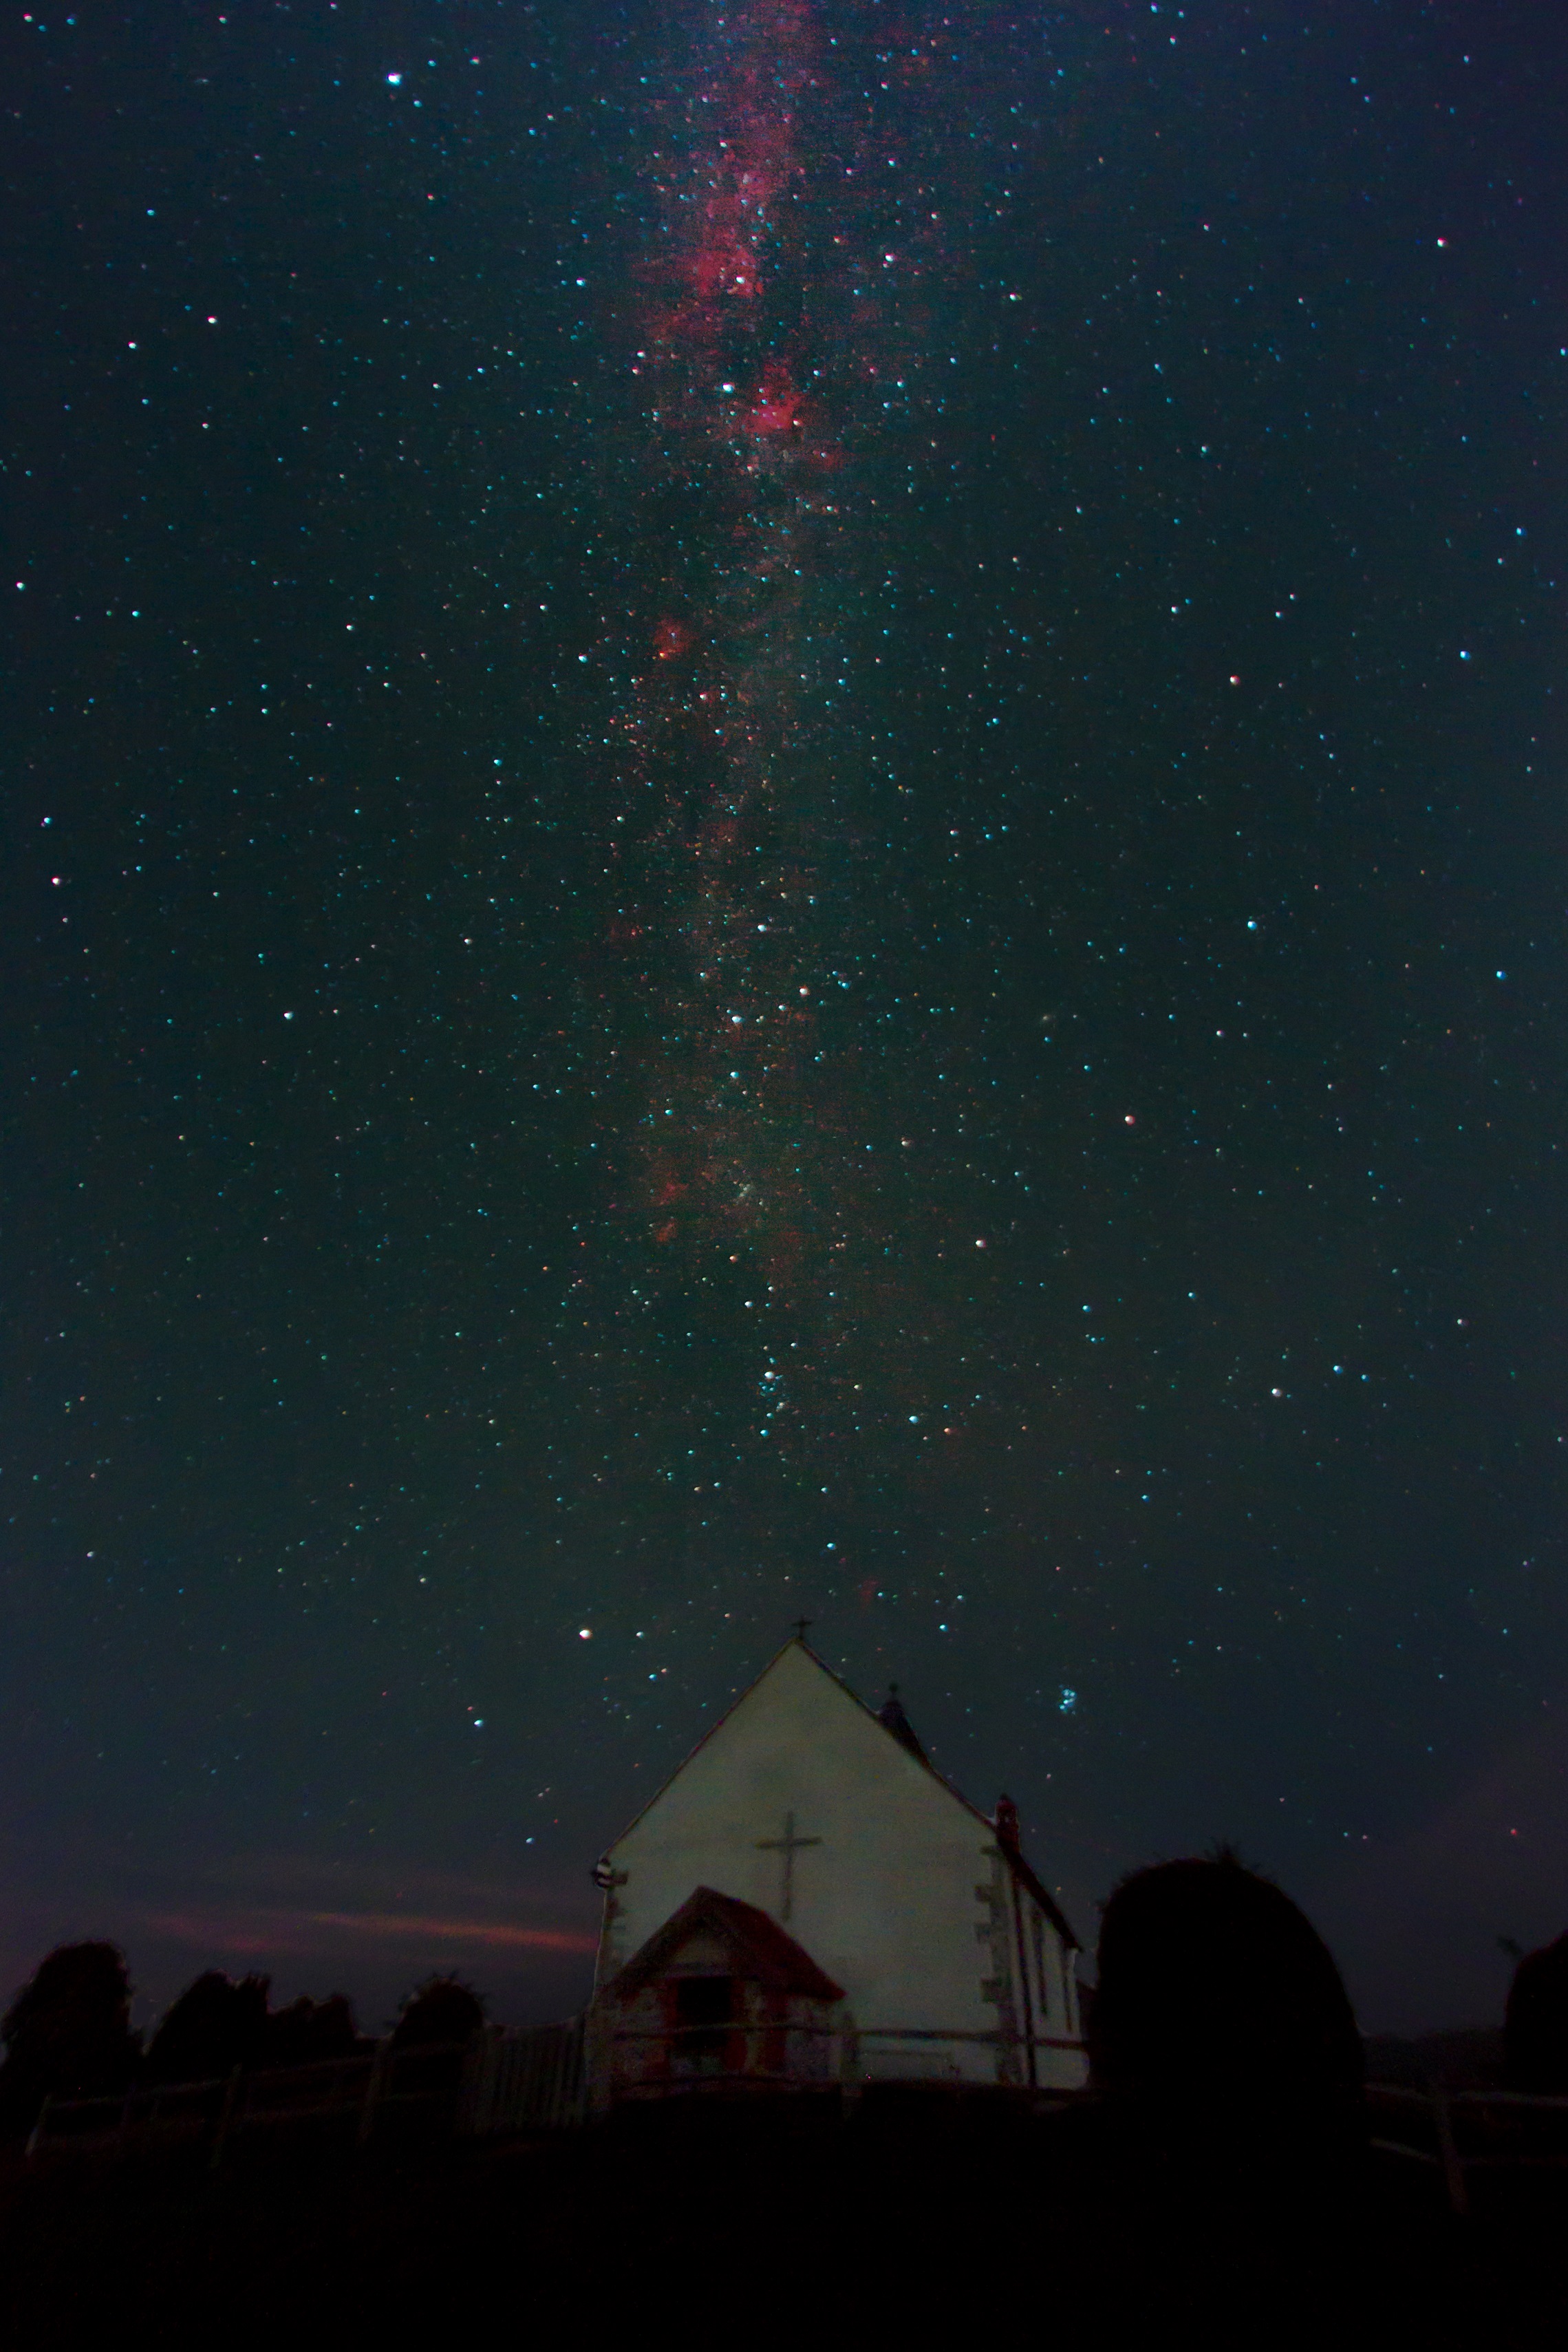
(902, 1733)
(760, 1945)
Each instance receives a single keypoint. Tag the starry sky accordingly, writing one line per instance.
(783, 835)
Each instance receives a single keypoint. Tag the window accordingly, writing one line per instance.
(705, 2012)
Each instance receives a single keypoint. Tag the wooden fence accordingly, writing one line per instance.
(854, 2059)
(352, 2096)
(505, 2084)
(1467, 2135)
(528, 2081)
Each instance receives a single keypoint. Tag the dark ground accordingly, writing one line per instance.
(892, 2226)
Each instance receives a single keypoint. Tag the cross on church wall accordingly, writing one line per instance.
(786, 1847)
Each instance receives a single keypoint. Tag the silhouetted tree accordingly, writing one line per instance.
(1219, 2010)
(68, 2032)
(307, 2030)
(441, 2009)
(1535, 2026)
(214, 2026)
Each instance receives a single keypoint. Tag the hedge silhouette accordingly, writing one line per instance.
(67, 2031)
(308, 2031)
(1219, 2010)
(214, 2026)
(441, 2009)
(1535, 2027)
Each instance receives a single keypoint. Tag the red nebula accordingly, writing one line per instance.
(723, 268)
(777, 408)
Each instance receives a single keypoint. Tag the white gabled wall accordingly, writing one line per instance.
(904, 1899)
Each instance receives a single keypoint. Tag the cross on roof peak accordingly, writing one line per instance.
(786, 1847)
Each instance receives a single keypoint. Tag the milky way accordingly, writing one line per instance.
(728, 732)
(769, 318)
(765, 360)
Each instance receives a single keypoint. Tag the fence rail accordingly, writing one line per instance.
(357, 2090)
(847, 2057)
(990, 2035)
(1462, 2133)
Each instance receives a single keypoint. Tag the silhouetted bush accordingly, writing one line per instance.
(1535, 2028)
(67, 2031)
(307, 2030)
(1219, 2010)
(441, 2009)
(214, 2026)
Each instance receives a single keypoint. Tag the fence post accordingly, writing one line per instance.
(850, 2078)
(1448, 2148)
(378, 2065)
(225, 2117)
(476, 2088)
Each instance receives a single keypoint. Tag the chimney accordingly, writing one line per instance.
(892, 1717)
(1007, 1825)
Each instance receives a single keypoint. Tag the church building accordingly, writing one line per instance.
(808, 1902)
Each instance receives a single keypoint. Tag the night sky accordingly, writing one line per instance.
(783, 833)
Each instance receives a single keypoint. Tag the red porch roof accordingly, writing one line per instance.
(760, 1948)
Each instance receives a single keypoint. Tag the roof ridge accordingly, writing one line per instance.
(795, 1641)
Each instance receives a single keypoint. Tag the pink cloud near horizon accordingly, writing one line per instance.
(255, 1933)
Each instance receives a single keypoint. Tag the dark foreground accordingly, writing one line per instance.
(954, 2226)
